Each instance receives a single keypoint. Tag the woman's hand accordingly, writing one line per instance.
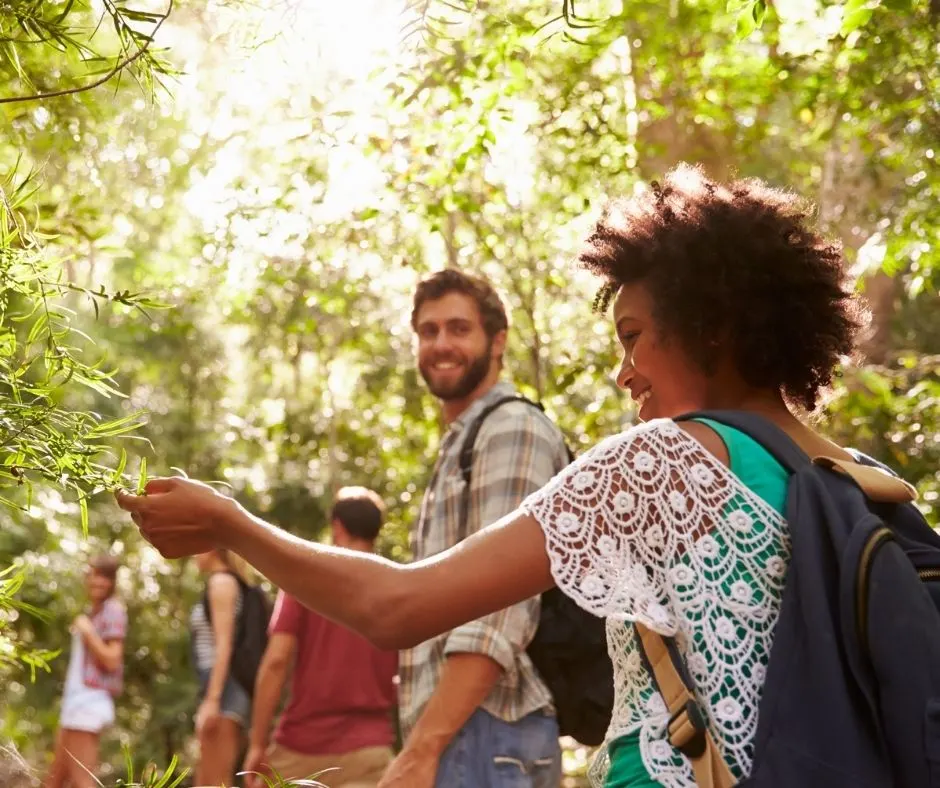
(82, 626)
(180, 517)
(208, 716)
(253, 767)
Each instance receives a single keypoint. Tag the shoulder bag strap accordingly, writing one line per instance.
(794, 451)
(688, 729)
(466, 455)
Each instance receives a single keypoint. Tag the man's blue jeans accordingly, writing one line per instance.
(490, 753)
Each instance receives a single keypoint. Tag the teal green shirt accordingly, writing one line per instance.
(766, 478)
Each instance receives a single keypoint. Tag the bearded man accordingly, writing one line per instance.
(474, 712)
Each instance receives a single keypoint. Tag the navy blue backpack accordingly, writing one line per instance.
(852, 694)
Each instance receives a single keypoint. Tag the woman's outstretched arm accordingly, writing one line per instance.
(394, 606)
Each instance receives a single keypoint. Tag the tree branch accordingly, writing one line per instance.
(120, 66)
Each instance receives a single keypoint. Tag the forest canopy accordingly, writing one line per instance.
(213, 216)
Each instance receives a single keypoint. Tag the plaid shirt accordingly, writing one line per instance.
(516, 452)
(110, 623)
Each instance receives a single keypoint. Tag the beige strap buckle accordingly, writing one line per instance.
(687, 729)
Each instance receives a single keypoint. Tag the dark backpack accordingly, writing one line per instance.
(251, 633)
(569, 649)
(852, 693)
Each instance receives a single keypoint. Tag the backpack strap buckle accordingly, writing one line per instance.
(687, 729)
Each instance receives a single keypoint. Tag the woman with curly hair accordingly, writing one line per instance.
(723, 299)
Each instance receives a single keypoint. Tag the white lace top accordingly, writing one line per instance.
(649, 526)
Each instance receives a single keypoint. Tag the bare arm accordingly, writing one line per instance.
(466, 681)
(223, 593)
(394, 606)
(272, 674)
(399, 606)
(108, 654)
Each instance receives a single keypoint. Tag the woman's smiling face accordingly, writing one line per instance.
(98, 586)
(657, 373)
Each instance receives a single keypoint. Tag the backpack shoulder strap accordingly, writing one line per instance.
(780, 445)
(466, 453)
(688, 729)
(877, 484)
(466, 448)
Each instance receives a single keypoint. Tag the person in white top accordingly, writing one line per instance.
(93, 680)
(723, 298)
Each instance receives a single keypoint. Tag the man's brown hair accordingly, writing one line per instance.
(450, 280)
(360, 511)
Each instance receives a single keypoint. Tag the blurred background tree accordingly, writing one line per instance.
(304, 165)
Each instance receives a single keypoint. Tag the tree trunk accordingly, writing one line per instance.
(881, 291)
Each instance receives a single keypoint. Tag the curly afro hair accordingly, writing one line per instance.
(733, 264)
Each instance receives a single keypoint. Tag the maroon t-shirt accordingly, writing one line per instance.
(342, 692)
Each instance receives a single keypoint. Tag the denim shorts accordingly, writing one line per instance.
(235, 703)
(488, 752)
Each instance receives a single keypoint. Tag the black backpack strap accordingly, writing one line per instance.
(466, 454)
(466, 449)
(765, 432)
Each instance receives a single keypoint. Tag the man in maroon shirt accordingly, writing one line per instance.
(339, 712)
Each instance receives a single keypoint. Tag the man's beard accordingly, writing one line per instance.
(466, 384)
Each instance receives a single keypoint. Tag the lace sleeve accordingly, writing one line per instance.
(617, 521)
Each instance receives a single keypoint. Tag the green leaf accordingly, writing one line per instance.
(128, 764)
(116, 426)
(745, 24)
(758, 12)
(119, 470)
(39, 326)
(83, 509)
(856, 14)
(142, 476)
(14, 58)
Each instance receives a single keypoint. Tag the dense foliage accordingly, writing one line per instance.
(285, 192)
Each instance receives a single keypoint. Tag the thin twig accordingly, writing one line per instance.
(98, 82)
